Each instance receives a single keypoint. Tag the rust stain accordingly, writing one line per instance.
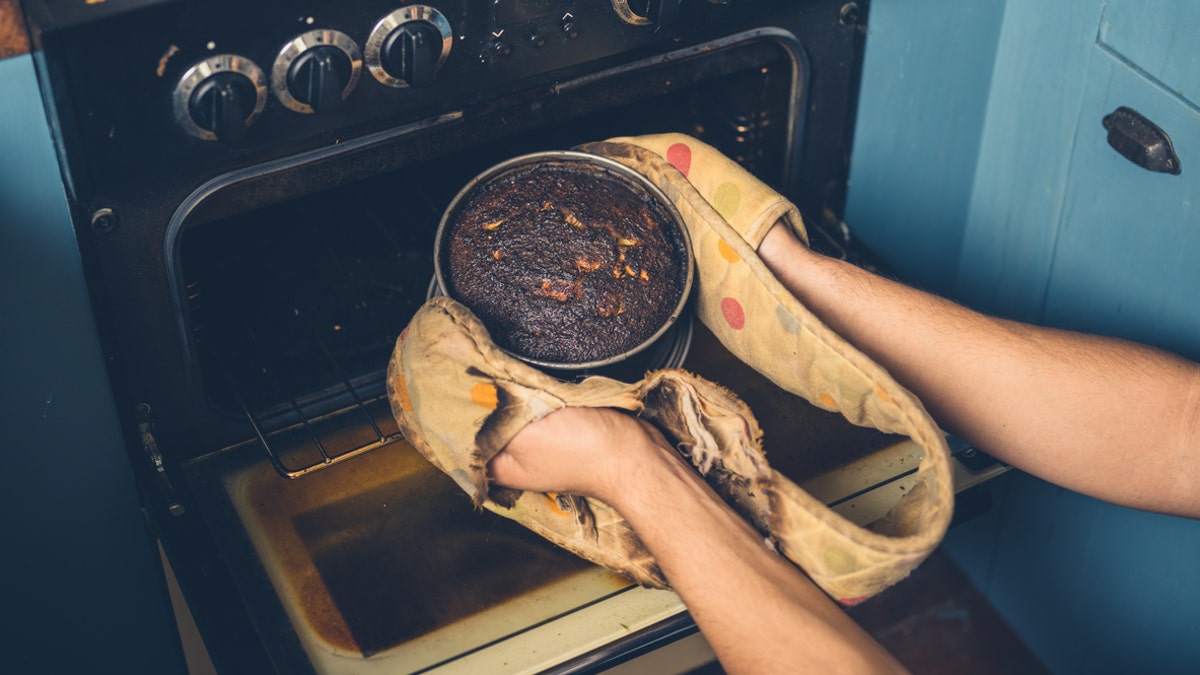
(14, 40)
(162, 61)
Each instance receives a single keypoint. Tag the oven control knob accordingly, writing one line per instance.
(407, 47)
(411, 53)
(218, 98)
(647, 12)
(316, 71)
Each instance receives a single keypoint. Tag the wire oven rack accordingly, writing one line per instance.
(300, 439)
(295, 324)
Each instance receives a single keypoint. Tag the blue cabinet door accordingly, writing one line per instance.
(1127, 257)
(1065, 230)
(83, 586)
(1158, 40)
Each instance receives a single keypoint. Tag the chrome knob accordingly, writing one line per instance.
(407, 47)
(219, 97)
(316, 71)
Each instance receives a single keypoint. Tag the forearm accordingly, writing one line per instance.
(1106, 417)
(759, 613)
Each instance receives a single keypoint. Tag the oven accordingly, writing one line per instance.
(255, 188)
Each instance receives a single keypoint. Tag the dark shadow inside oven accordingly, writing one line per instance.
(293, 307)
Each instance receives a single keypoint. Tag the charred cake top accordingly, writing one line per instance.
(565, 262)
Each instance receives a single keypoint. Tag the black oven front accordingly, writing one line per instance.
(255, 189)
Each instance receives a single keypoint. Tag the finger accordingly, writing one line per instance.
(505, 470)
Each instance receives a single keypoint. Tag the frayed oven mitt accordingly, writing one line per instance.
(459, 399)
(728, 212)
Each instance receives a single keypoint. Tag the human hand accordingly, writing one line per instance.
(780, 247)
(581, 451)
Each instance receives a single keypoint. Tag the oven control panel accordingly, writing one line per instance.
(153, 88)
(220, 97)
(316, 71)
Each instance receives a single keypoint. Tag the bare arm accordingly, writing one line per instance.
(1109, 418)
(759, 613)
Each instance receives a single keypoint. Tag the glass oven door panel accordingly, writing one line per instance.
(382, 563)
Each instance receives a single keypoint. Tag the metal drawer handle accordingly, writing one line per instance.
(1141, 141)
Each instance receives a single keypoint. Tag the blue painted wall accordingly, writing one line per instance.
(83, 589)
(926, 77)
(1046, 223)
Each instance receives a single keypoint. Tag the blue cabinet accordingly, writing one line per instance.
(1060, 228)
(83, 587)
(1157, 40)
(1040, 219)
(1127, 256)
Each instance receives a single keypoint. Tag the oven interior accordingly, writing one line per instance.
(292, 309)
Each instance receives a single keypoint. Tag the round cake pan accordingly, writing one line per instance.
(596, 163)
(669, 351)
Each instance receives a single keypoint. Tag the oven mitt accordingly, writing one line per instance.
(728, 212)
(459, 399)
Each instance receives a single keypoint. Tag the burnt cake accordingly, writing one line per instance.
(565, 262)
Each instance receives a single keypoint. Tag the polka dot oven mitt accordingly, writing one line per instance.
(728, 212)
(459, 399)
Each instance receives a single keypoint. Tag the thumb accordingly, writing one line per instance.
(505, 470)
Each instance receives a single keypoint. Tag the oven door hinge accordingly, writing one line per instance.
(150, 447)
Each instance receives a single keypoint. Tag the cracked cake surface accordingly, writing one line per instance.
(565, 262)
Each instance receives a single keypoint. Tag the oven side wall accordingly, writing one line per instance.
(84, 588)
